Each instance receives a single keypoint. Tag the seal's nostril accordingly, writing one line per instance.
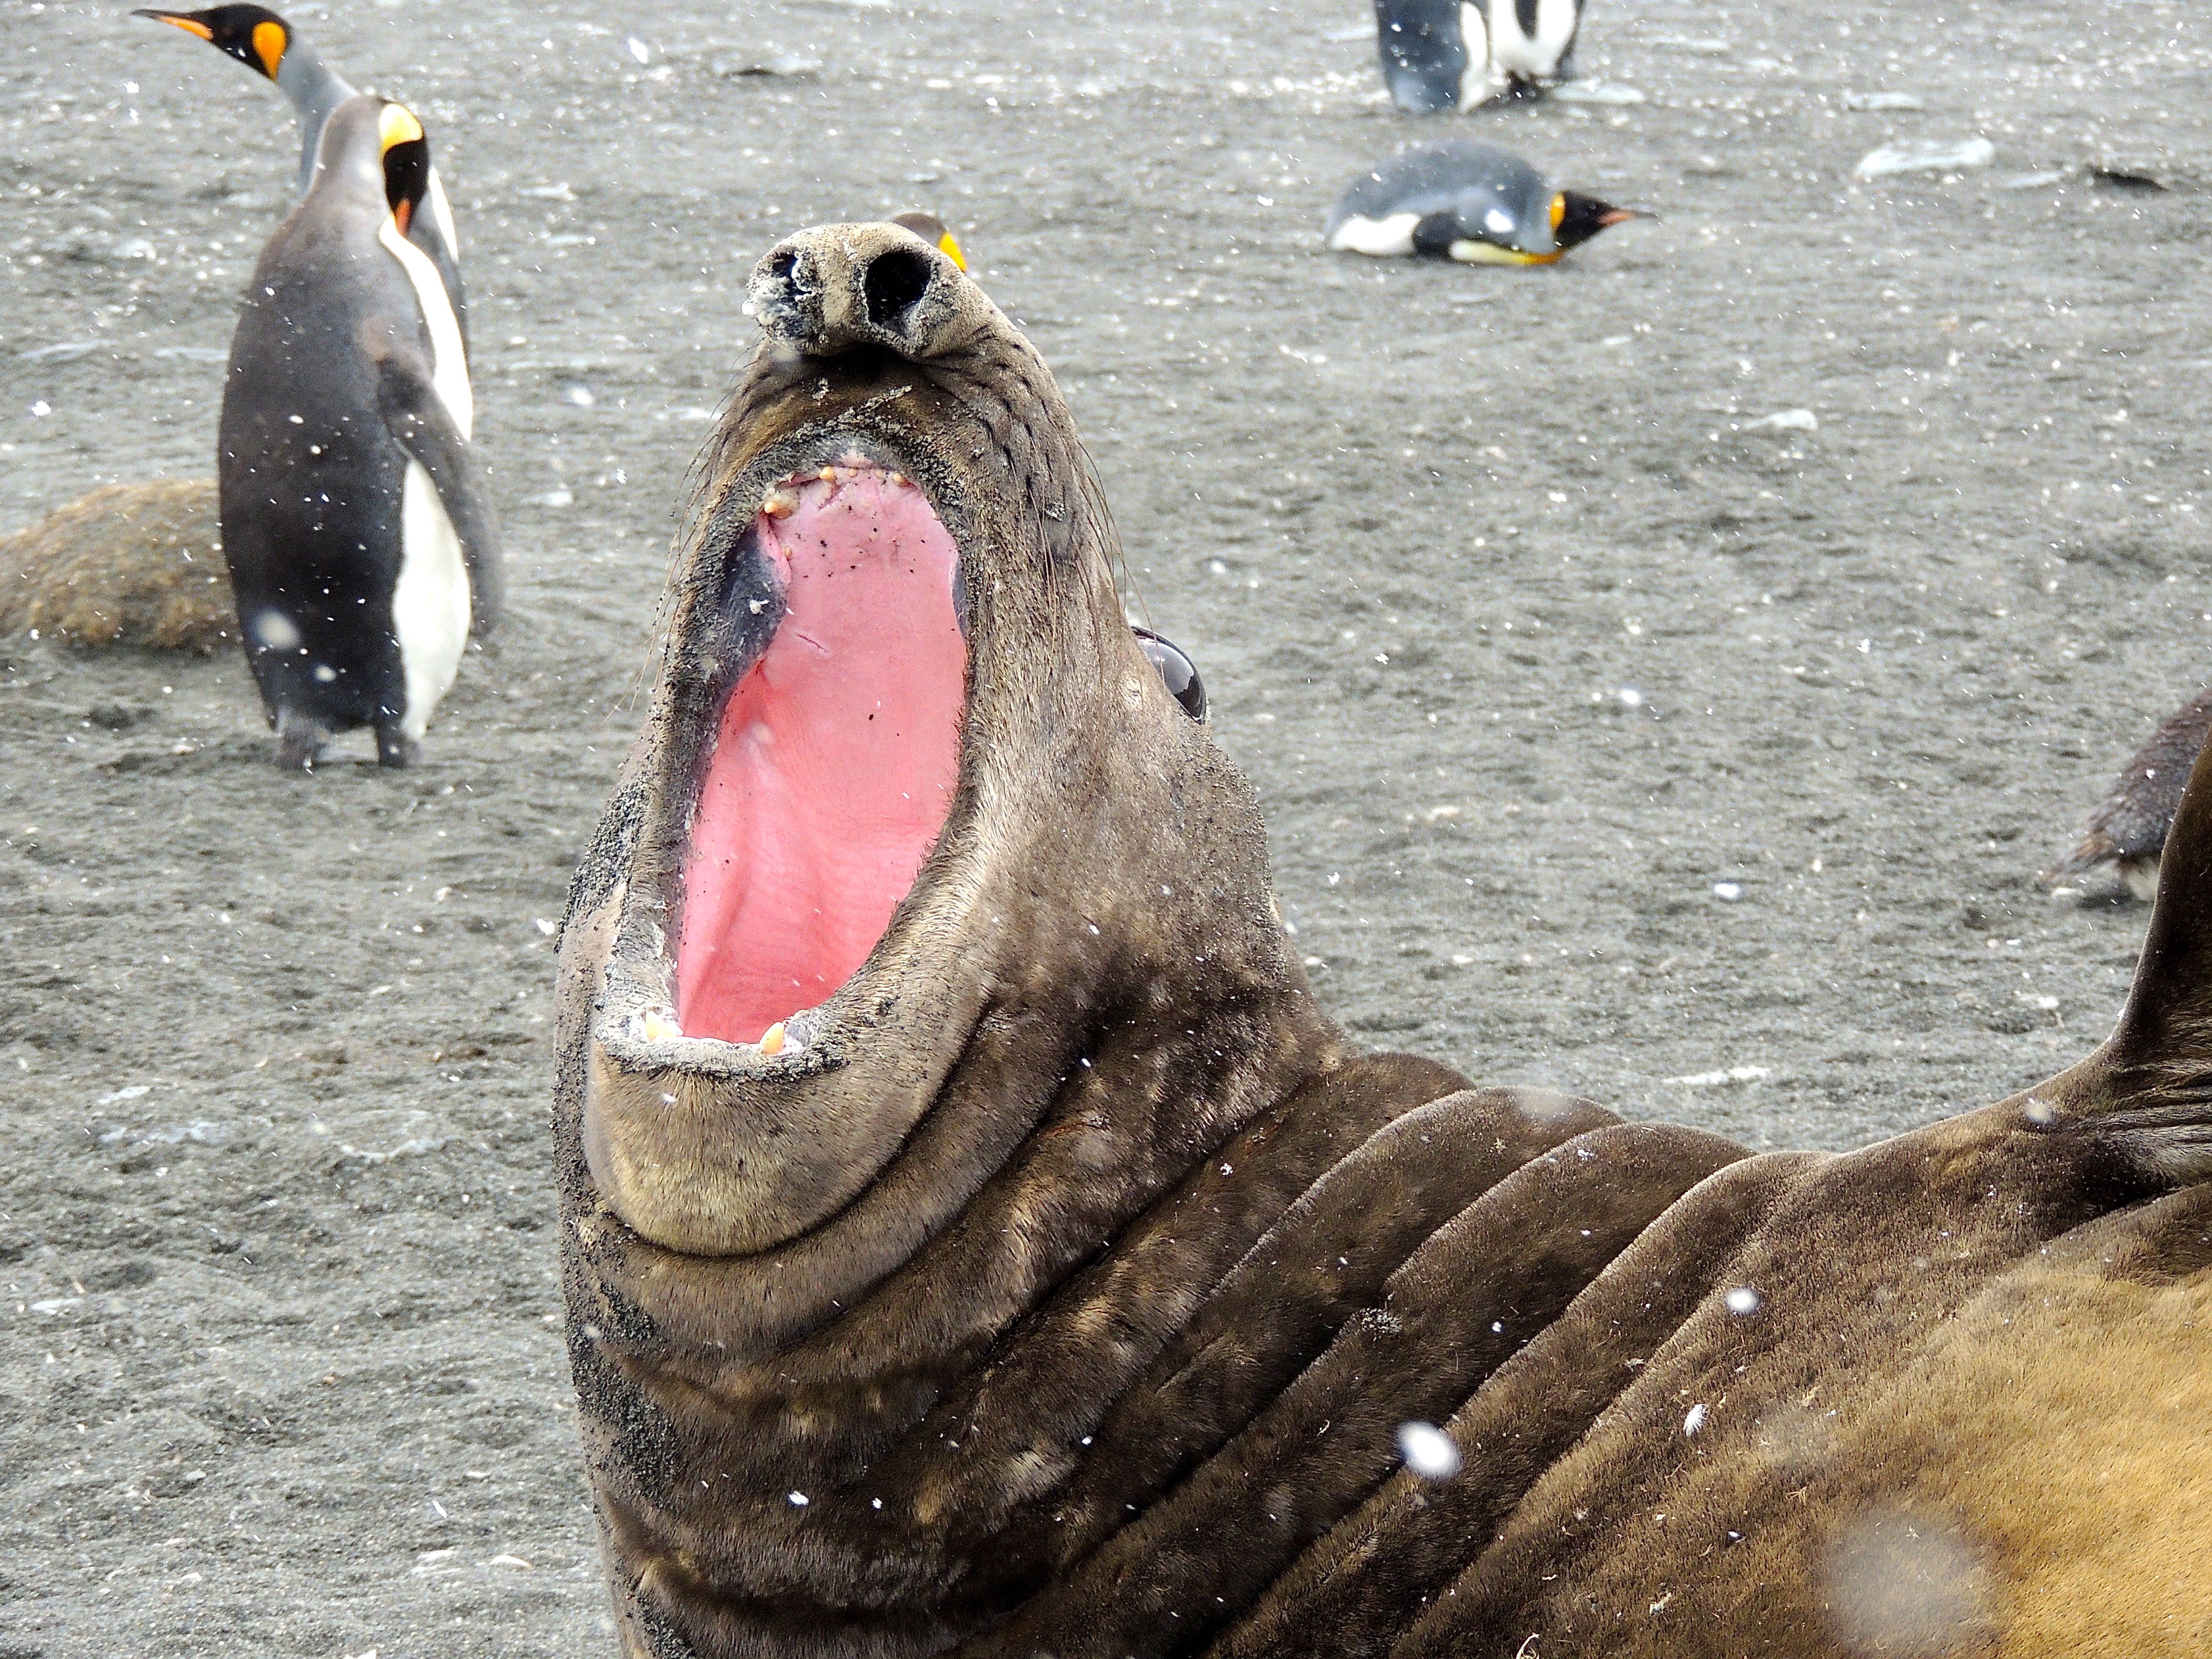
(896, 280)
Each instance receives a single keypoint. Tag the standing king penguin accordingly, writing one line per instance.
(271, 47)
(1441, 55)
(362, 546)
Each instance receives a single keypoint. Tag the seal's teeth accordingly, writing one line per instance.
(654, 1026)
(828, 475)
(780, 503)
(895, 480)
(771, 1041)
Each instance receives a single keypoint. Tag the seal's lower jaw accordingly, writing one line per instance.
(794, 958)
(830, 774)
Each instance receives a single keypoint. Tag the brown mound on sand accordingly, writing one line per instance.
(135, 564)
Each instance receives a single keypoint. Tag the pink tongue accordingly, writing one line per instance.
(836, 763)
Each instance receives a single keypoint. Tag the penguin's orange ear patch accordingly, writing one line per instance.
(269, 43)
(1558, 210)
(398, 125)
(949, 246)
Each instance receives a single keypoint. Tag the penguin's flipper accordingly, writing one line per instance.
(1434, 233)
(419, 421)
(432, 231)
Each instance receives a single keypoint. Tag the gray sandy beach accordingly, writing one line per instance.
(1664, 673)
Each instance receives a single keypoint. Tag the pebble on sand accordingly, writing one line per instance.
(1714, 1079)
(1926, 155)
(781, 65)
(1596, 92)
(1786, 420)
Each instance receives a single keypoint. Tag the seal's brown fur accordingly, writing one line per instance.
(130, 564)
(1064, 1291)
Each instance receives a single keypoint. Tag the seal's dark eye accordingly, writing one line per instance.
(1177, 670)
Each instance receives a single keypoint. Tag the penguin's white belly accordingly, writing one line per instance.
(1533, 57)
(449, 364)
(441, 215)
(430, 606)
(1479, 83)
(430, 601)
(1389, 238)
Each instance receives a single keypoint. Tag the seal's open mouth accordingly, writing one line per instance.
(811, 939)
(832, 768)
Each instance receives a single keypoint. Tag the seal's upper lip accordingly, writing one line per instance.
(829, 773)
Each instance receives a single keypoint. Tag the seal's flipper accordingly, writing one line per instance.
(419, 421)
(2147, 1093)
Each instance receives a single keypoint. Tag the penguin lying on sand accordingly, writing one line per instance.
(268, 46)
(361, 544)
(1440, 55)
(2128, 829)
(1468, 201)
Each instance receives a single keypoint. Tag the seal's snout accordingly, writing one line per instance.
(894, 283)
(787, 296)
(843, 286)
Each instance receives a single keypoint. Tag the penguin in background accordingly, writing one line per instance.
(2127, 832)
(1440, 55)
(1468, 201)
(271, 48)
(933, 231)
(362, 546)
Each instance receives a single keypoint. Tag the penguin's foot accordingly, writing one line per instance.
(394, 748)
(299, 740)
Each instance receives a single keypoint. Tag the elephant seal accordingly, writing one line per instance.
(130, 564)
(1043, 1273)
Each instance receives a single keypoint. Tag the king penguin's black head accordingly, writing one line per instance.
(1576, 217)
(407, 162)
(254, 35)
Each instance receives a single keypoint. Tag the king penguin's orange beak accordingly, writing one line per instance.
(189, 25)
